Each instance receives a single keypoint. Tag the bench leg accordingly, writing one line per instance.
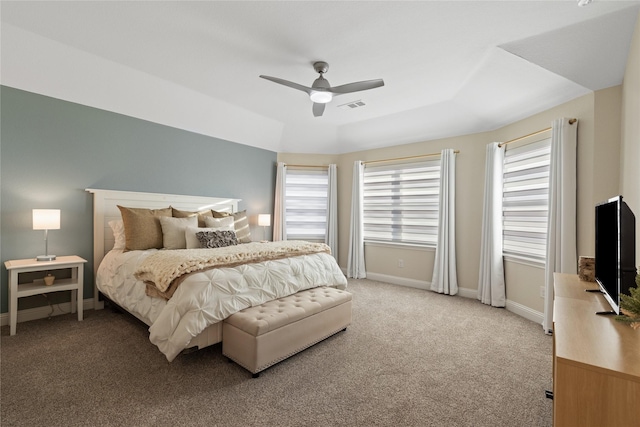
(256, 375)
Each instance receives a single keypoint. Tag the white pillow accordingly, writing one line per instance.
(117, 226)
(213, 224)
(173, 231)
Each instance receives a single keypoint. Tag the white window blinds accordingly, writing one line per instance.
(401, 203)
(525, 200)
(306, 204)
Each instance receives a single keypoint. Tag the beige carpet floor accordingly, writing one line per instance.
(410, 358)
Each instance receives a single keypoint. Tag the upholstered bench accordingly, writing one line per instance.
(261, 336)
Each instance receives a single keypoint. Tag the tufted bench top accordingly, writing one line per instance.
(274, 314)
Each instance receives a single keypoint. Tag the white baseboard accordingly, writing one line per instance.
(44, 312)
(402, 281)
(414, 283)
(468, 293)
(524, 311)
(419, 284)
(514, 307)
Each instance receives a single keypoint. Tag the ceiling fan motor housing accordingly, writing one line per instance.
(321, 67)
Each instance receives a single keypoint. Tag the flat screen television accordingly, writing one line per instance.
(615, 250)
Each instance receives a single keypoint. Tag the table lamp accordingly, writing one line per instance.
(264, 220)
(46, 219)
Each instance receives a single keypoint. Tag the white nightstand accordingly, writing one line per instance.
(37, 287)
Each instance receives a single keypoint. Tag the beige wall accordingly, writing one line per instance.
(608, 164)
(598, 138)
(418, 263)
(523, 281)
(630, 146)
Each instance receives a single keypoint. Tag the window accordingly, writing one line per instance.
(525, 190)
(306, 204)
(401, 203)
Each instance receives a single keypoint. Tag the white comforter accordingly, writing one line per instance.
(210, 296)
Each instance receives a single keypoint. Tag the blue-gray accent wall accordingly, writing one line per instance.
(52, 150)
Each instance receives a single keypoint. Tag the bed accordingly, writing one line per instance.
(190, 316)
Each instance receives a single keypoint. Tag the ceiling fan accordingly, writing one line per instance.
(321, 91)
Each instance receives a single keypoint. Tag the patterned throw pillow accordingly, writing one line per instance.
(216, 239)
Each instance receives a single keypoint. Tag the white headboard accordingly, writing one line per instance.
(105, 209)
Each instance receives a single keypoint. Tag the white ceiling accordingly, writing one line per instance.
(450, 67)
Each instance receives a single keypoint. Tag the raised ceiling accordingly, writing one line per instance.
(450, 68)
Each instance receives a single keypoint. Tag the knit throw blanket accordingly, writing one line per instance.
(162, 268)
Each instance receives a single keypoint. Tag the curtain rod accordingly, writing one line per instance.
(407, 158)
(571, 121)
(307, 166)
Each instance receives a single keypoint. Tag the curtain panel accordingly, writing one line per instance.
(444, 278)
(491, 284)
(561, 226)
(355, 261)
(279, 220)
(331, 238)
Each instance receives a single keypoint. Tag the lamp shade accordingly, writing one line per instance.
(46, 219)
(264, 220)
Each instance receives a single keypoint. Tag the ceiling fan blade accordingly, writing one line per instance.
(318, 109)
(357, 86)
(293, 85)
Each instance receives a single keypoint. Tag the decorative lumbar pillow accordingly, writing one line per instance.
(173, 231)
(117, 226)
(241, 224)
(142, 227)
(177, 213)
(217, 239)
(192, 239)
(224, 223)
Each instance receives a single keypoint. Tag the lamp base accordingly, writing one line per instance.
(45, 257)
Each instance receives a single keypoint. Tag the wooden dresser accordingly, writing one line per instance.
(596, 360)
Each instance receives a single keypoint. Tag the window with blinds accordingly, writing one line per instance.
(306, 204)
(525, 200)
(401, 203)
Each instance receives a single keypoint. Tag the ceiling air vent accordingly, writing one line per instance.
(351, 105)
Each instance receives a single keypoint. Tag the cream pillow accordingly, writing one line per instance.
(117, 226)
(241, 224)
(142, 228)
(173, 231)
(225, 223)
(190, 232)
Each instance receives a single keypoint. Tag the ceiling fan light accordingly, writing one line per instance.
(320, 97)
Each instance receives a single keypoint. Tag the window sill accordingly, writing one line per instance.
(524, 261)
(401, 246)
